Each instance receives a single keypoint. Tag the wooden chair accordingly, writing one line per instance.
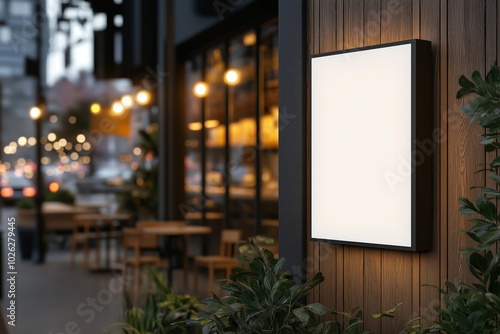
(81, 236)
(85, 230)
(138, 242)
(225, 260)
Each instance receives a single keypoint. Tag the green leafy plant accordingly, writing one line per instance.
(247, 252)
(354, 322)
(475, 307)
(62, 195)
(26, 203)
(161, 312)
(143, 195)
(265, 299)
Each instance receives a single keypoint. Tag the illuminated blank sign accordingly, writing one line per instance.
(371, 146)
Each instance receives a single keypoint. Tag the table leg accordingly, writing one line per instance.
(97, 247)
(166, 245)
(108, 240)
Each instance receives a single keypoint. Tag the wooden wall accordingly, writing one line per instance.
(464, 35)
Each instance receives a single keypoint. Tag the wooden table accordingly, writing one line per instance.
(177, 228)
(102, 220)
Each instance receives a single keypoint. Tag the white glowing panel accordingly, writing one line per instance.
(361, 141)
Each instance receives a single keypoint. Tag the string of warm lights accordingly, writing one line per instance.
(142, 97)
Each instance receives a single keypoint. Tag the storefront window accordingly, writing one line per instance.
(232, 131)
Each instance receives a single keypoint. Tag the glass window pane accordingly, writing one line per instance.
(193, 141)
(215, 129)
(242, 131)
(269, 129)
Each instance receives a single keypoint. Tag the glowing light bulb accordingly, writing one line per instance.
(232, 77)
(200, 89)
(35, 113)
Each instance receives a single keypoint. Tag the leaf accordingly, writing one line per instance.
(491, 237)
(495, 163)
(467, 86)
(317, 308)
(491, 192)
(486, 208)
(387, 313)
(466, 207)
(301, 314)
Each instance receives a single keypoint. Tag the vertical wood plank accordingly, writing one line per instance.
(353, 256)
(443, 156)
(396, 25)
(396, 288)
(353, 277)
(327, 24)
(371, 22)
(429, 271)
(353, 23)
(372, 280)
(372, 287)
(416, 19)
(465, 154)
(396, 20)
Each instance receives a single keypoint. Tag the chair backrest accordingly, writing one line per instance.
(228, 239)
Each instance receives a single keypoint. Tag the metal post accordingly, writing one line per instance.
(40, 226)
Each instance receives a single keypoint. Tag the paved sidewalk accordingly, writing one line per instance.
(56, 297)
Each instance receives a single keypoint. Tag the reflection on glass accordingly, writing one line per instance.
(192, 160)
(215, 128)
(242, 104)
(269, 129)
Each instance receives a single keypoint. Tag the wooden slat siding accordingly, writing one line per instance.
(339, 250)
(313, 48)
(443, 154)
(465, 154)
(372, 257)
(429, 261)
(396, 266)
(327, 254)
(464, 36)
(353, 256)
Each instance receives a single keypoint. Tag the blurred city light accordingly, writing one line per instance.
(29, 192)
(35, 113)
(95, 108)
(142, 97)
